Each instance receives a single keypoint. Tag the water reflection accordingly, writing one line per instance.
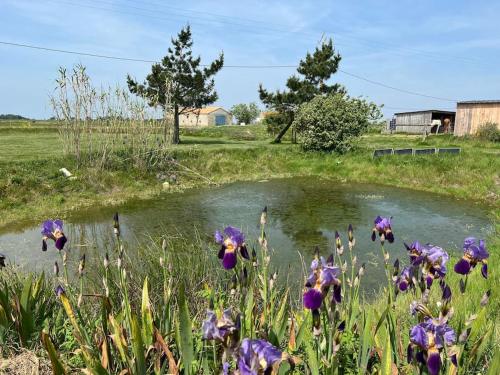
(303, 213)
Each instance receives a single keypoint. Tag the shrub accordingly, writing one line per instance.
(275, 121)
(331, 123)
(489, 132)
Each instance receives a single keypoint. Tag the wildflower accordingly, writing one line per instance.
(234, 241)
(383, 227)
(258, 357)
(54, 231)
(405, 280)
(474, 253)
(2, 260)
(323, 275)
(433, 262)
(217, 328)
(415, 250)
(429, 338)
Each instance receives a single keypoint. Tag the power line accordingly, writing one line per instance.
(396, 88)
(392, 49)
(30, 46)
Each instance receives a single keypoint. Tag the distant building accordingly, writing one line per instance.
(207, 116)
(471, 115)
(419, 122)
(263, 115)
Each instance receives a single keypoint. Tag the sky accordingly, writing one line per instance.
(448, 49)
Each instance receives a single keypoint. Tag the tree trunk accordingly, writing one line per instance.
(175, 135)
(282, 133)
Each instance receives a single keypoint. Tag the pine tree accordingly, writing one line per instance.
(191, 85)
(315, 70)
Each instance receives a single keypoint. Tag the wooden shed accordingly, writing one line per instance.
(427, 121)
(471, 115)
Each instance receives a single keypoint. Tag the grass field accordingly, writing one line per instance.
(31, 155)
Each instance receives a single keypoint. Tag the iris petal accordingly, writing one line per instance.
(484, 270)
(462, 267)
(60, 242)
(433, 363)
(337, 293)
(389, 236)
(312, 299)
(244, 252)
(229, 260)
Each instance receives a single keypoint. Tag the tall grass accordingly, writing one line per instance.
(144, 311)
(96, 124)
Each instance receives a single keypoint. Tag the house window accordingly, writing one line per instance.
(220, 120)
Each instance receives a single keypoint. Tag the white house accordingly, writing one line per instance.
(207, 116)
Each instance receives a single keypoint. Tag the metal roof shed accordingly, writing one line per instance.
(430, 121)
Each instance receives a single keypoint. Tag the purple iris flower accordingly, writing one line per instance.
(258, 357)
(415, 250)
(219, 329)
(53, 229)
(434, 261)
(323, 275)
(383, 227)
(474, 252)
(405, 280)
(429, 338)
(231, 241)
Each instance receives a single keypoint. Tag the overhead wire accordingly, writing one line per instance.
(121, 58)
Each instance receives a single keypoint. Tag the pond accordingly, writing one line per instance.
(303, 213)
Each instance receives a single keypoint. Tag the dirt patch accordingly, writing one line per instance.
(26, 363)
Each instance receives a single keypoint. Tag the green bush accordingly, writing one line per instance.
(489, 132)
(331, 123)
(275, 121)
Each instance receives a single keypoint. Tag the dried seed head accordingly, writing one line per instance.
(361, 271)
(106, 261)
(56, 269)
(263, 216)
(164, 245)
(80, 300)
(116, 225)
(81, 265)
(162, 262)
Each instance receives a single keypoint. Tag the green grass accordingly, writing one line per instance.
(32, 188)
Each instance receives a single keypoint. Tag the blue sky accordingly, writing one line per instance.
(448, 49)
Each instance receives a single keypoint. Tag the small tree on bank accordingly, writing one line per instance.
(333, 122)
(315, 70)
(246, 113)
(191, 85)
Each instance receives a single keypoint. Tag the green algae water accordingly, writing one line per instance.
(303, 214)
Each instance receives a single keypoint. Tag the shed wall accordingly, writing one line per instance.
(413, 122)
(470, 117)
